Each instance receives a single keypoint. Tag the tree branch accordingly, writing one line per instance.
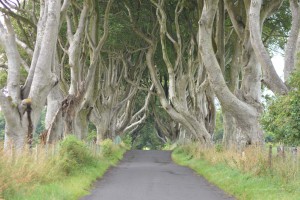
(7, 38)
(270, 77)
(293, 39)
(17, 17)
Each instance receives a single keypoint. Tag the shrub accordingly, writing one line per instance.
(42, 170)
(126, 141)
(281, 118)
(219, 147)
(107, 148)
(73, 153)
(92, 136)
(169, 146)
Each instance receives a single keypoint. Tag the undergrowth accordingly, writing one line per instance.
(245, 175)
(62, 171)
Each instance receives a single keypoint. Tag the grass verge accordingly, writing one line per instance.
(242, 185)
(65, 176)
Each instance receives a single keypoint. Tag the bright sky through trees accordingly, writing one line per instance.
(278, 62)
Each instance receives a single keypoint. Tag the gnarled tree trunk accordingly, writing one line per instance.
(246, 114)
(22, 108)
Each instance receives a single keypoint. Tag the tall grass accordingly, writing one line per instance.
(247, 174)
(27, 168)
(41, 169)
(252, 159)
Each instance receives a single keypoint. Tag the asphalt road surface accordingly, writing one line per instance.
(152, 175)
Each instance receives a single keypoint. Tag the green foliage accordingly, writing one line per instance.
(169, 146)
(92, 133)
(219, 130)
(41, 124)
(3, 78)
(276, 28)
(107, 148)
(147, 138)
(240, 184)
(74, 154)
(127, 140)
(23, 75)
(282, 117)
(92, 136)
(2, 126)
(269, 137)
(46, 178)
(219, 147)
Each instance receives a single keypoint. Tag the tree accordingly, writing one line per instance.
(104, 62)
(22, 106)
(196, 117)
(243, 103)
(281, 117)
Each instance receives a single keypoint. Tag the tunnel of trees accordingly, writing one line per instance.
(154, 71)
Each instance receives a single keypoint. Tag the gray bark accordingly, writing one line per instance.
(22, 112)
(77, 106)
(246, 115)
(291, 46)
(270, 77)
(230, 127)
(229, 123)
(54, 100)
(176, 103)
(298, 54)
(114, 111)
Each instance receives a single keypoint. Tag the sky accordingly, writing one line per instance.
(278, 62)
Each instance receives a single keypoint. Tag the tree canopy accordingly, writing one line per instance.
(123, 65)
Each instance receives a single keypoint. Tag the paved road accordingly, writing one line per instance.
(151, 175)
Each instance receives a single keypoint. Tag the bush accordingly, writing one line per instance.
(92, 136)
(169, 146)
(281, 118)
(59, 171)
(107, 148)
(127, 140)
(219, 147)
(73, 153)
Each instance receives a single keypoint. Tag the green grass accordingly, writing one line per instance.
(72, 172)
(240, 184)
(72, 187)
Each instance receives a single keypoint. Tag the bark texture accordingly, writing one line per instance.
(22, 107)
(246, 114)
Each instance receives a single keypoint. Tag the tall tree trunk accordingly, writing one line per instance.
(290, 59)
(54, 120)
(54, 100)
(22, 112)
(176, 104)
(229, 123)
(246, 115)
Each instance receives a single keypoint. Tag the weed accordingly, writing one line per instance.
(73, 154)
(247, 174)
(61, 171)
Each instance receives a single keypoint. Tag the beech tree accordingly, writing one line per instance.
(245, 107)
(182, 84)
(22, 105)
(88, 61)
(114, 112)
